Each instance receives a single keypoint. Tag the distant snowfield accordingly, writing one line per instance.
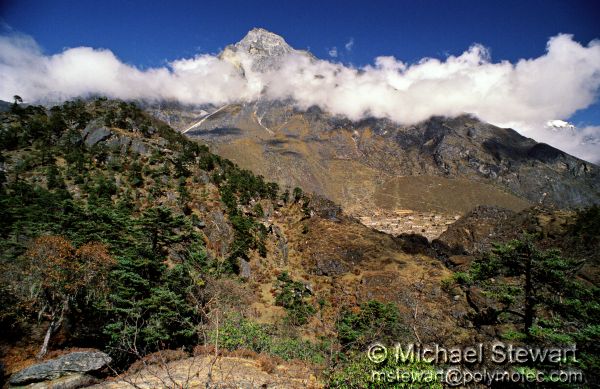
(524, 95)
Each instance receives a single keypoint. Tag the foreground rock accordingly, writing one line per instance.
(222, 372)
(67, 371)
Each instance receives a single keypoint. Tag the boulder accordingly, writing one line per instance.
(476, 231)
(461, 261)
(69, 381)
(282, 248)
(76, 362)
(93, 134)
(325, 208)
(245, 271)
(486, 310)
(139, 147)
(219, 233)
(119, 143)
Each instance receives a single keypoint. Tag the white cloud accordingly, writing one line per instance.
(349, 45)
(558, 124)
(81, 71)
(522, 95)
(582, 142)
(333, 52)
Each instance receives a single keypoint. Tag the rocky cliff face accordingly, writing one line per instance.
(369, 162)
(265, 48)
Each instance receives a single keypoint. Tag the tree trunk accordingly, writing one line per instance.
(55, 323)
(154, 240)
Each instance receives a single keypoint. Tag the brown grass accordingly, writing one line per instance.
(158, 358)
(266, 363)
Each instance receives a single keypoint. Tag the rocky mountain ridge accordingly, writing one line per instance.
(318, 151)
(376, 165)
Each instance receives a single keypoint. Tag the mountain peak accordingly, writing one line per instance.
(266, 49)
(261, 37)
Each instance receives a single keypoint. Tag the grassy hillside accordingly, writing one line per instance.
(121, 234)
(163, 212)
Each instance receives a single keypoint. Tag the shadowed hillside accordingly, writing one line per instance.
(449, 165)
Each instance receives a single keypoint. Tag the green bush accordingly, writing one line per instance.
(374, 321)
(461, 278)
(237, 332)
(292, 296)
(359, 372)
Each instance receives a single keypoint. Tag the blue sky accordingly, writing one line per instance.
(146, 33)
(151, 33)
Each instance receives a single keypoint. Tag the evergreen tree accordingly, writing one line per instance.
(522, 277)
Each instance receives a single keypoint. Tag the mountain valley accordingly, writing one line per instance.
(262, 243)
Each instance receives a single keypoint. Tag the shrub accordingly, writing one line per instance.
(461, 278)
(297, 194)
(292, 296)
(374, 321)
(360, 372)
(237, 332)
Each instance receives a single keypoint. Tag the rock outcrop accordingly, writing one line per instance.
(114, 139)
(67, 371)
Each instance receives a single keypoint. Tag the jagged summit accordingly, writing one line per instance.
(265, 49)
(260, 42)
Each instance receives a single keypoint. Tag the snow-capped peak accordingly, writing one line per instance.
(263, 48)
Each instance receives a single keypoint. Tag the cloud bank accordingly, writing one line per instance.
(523, 95)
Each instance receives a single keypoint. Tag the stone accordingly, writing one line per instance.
(218, 231)
(460, 260)
(325, 208)
(203, 177)
(282, 247)
(245, 271)
(119, 143)
(75, 362)
(69, 381)
(330, 267)
(139, 147)
(309, 288)
(93, 135)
